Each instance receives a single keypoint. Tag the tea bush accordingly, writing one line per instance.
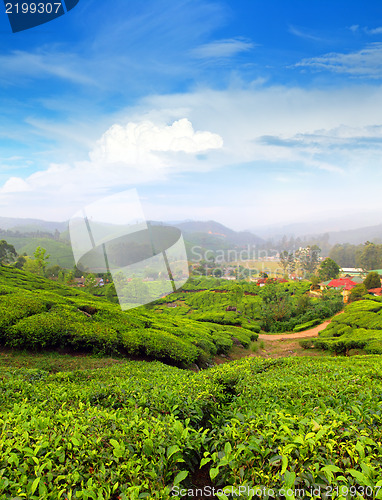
(140, 430)
(358, 327)
(60, 317)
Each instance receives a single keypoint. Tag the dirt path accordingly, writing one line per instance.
(311, 332)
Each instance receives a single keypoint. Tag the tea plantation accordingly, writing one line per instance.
(276, 307)
(287, 427)
(359, 327)
(36, 313)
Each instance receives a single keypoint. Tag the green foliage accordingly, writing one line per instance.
(36, 313)
(346, 254)
(276, 307)
(359, 327)
(300, 423)
(328, 269)
(307, 258)
(357, 292)
(372, 280)
(60, 251)
(308, 324)
(38, 264)
(370, 257)
(136, 430)
(7, 252)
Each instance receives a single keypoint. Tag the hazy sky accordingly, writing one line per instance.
(242, 111)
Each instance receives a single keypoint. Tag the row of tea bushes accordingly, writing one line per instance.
(358, 327)
(145, 430)
(59, 317)
(300, 424)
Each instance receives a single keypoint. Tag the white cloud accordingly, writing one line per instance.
(366, 62)
(222, 48)
(15, 185)
(136, 153)
(138, 143)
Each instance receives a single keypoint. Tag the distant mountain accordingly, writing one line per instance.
(357, 236)
(338, 224)
(31, 225)
(195, 229)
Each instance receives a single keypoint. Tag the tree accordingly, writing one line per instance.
(136, 292)
(284, 260)
(20, 262)
(111, 293)
(276, 305)
(372, 280)
(69, 278)
(315, 282)
(328, 269)
(7, 253)
(287, 262)
(357, 292)
(345, 254)
(38, 264)
(370, 257)
(308, 258)
(53, 271)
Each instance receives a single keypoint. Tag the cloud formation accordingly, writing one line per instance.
(222, 48)
(312, 138)
(138, 152)
(366, 63)
(138, 143)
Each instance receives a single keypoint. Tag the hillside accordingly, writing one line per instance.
(193, 229)
(276, 307)
(358, 327)
(26, 225)
(60, 251)
(199, 238)
(37, 313)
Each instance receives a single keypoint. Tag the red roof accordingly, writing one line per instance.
(348, 287)
(376, 291)
(342, 282)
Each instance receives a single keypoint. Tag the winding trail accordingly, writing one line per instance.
(311, 332)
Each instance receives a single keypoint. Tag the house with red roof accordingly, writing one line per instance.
(341, 283)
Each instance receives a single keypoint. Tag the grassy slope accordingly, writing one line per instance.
(60, 252)
(358, 327)
(37, 313)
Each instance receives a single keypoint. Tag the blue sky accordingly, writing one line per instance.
(246, 112)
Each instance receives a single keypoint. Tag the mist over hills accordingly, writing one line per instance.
(217, 230)
(339, 228)
(210, 234)
(31, 225)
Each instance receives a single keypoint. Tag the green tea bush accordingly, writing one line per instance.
(358, 327)
(50, 318)
(305, 326)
